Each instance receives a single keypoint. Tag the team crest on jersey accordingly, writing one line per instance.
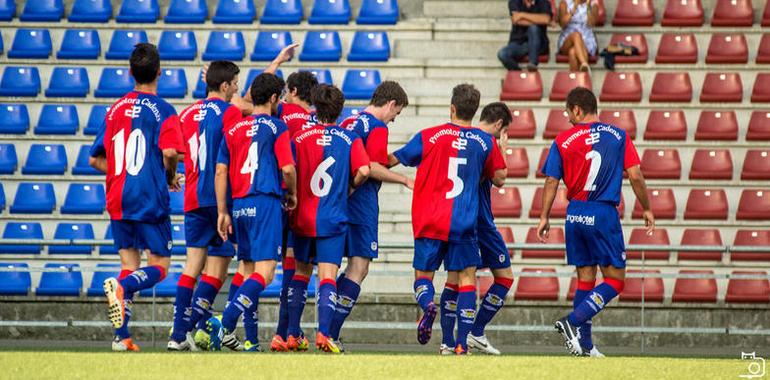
(468, 314)
(374, 246)
(460, 143)
(200, 115)
(593, 138)
(324, 140)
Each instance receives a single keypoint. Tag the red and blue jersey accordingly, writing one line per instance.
(202, 125)
(136, 130)
(591, 158)
(255, 149)
(327, 158)
(295, 117)
(451, 162)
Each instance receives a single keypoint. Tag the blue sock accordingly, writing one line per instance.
(182, 309)
(595, 301)
(245, 302)
(297, 296)
(581, 291)
(448, 314)
(143, 278)
(466, 313)
(202, 300)
(327, 304)
(347, 295)
(251, 323)
(493, 302)
(234, 285)
(128, 301)
(424, 292)
(283, 307)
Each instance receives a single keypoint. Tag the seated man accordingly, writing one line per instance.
(528, 34)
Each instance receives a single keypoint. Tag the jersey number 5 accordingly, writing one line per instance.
(129, 154)
(321, 181)
(457, 183)
(596, 163)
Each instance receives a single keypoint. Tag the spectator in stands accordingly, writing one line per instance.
(528, 37)
(577, 40)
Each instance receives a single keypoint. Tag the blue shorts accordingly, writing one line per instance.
(494, 253)
(593, 235)
(321, 249)
(257, 231)
(143, 235)
(456, 256)
(362, 241)
(200, 230)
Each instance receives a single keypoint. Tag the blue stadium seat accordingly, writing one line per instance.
(95, 119)
(84, 198)
(1, 42)
(42, 10)
(7, 10)
(369, 47)
(172, 83)
(253, 73)
(330, 12)
(348, 112)
(66, 283)
(235, 12)
(123, 42)
(177, 202)
(72, 231)
(378, 12)
(225, 46)
(187, 12)
(200, 87)
(144, 11)
(31, 43)
(321, 46)
(167, 287)
(22, 230)
(114, 83)
(34, 198)
(80, 44)
(45, 159)
(108, 249)
(20, 81)
(57, 119)
(81, 164)
(312, 286)
(282, 12)
(102, 272)
(68, 82)
(269, 44)
(177, 233)
(179, 45)
(17, 282)
(324, 76)
(360, 84)
(8, 159)
(2, 198)
(14, 118)
(91, 11)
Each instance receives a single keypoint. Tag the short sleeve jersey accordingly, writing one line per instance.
(295, 117)
(486, 219)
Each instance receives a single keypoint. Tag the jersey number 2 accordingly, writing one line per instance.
(457, 183)
(596, 163)
(130, 154)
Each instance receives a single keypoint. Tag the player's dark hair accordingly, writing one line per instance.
(220, 72)
(387, 91)
(583, 98)
(465, 98)
(328, 101)
(144, 63)
(493, 112)
(304, 82)
(264, 86)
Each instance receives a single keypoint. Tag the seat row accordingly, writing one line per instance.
(726, 13)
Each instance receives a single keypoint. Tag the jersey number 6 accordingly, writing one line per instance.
(321, 182)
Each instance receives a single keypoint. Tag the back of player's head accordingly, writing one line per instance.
(220, 72)
(494, 112)
(264, 86)
(465, 99)
(389, 91)
(145, 63)
(304, 82)
(582, 98)
(328, 101)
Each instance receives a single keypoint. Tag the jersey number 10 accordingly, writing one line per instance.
(129, 154)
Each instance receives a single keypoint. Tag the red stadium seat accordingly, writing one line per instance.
(756, 165)
(759, 126)
(695, 289)
(572, 288)
(745, 290)
(639, 237)
(601, 13)
(706, 204)
(722, 87)
(565, 81)
(484, 281)
(506, 202)
(507, 234)
(671, 87)
(763, 52)
(677, 48)
(563, 58)
(653, 287)
(727, 48)
(557, 122)
(621, 87)
(751, 238)
(701, 237)
(523, 124)
(766, 15)
(634, 13)
(517, 162)
(717, 125)
(538, 288)
(633, 39)
(541, 162)
(754, 205)
(662, 202)
(543, 58)
(559, 208)
(761, 91)
(666, 125)
(661, 164)
(624, 119)
(555, 236)
(683, 13)
(521, 85)
(712, 164)
(733, 13)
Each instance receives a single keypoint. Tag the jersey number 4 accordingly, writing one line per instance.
(129, 154)
(252, 162)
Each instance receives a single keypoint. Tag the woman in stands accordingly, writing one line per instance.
(577, 40)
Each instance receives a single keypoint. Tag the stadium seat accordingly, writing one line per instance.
(253, 73)
(96, 119)
(621, 87)
(732, 13)
(225, 46)
(709, 236)
(555, 236)
(506, 202)
(57, 119)
(330, 12)
(745, 290)
(621, 118)
(114, 83)
(71, 231)
(348, 112)
(537, 288)
(722, 87)
(177, 202)
(2, 198)
(565, 81)
(172, 83)
(282, 12)
(187, 12)
(559, 208)
(45, 159)
(677, 48)
(754, 205)
(556, 123)
(22, 230)
(507, 234)
(650, 288)
(84, 198)
(81, 164)
(517, 162)
(42, 10)
(763, 52)
(68, 82)
(99, 11)
(31, 43)
(666, 125)
(717, 125)
(360, 84)
(702, 290)
(15, 282)
(633, 39)
(521, 85)
(167, 287)
(712, 164)
(273, 289)
(269, 44)
(8, 159)
(201, 90)
(756, 165)
(177, 234)
(563, 58)
(20, 81)
(7, 10)
(671, 87)
(761, 91)
(323, 76)
(751, 238)
(178, 45)
(541, 162)
(683, 13)
(235, 12)
(639, 237)
(110, 248)
(140, 11)
(662, 202)
(369, 46)
(727, 48)
(321, 46)
(706, 204)
(634, 13)
(522, 125)
(64, 283)
(661, 164)
(80, 44)
(766, 16)
(378, 12)
(123, 42)
(14, 118)
(102, 272)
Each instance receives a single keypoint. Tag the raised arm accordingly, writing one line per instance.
(639, 186)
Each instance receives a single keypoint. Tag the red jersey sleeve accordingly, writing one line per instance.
(632, 156)
(377, 145)
(358, 156)
(495, 161)
(232, 116)
(282, 147)
(171, 135)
